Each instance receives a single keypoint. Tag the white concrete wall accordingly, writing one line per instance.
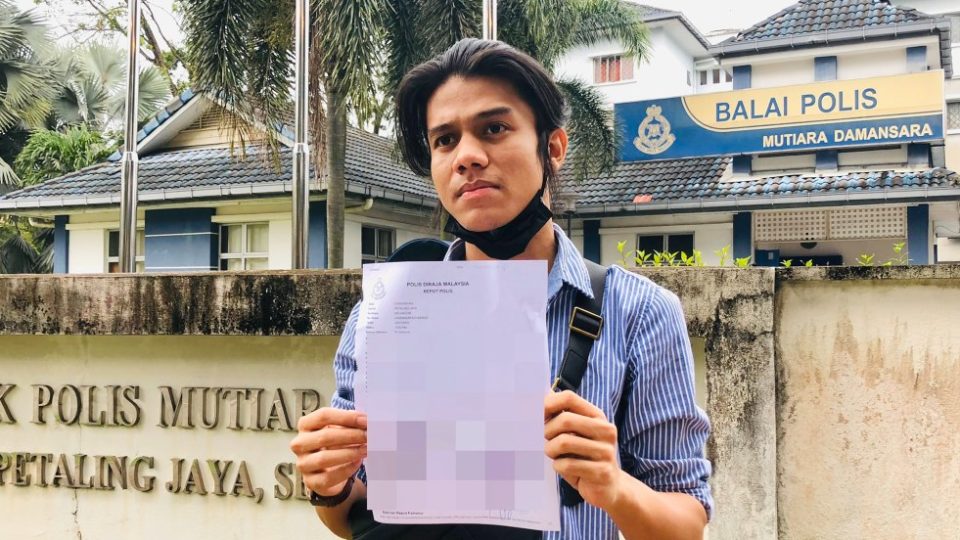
(149, 362)
(661, 74)
(867, 445)
(87, 251)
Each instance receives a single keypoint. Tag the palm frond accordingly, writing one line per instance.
(103, 65)
(154, 92)
(7, 176)
(17, 256)
(445, 22)
(272, 51)
(43, 242)
(593, 140)
(218, 55)
(350, 33)
(27, 82)
(601, 20)
(404, 45)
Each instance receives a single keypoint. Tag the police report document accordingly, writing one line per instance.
(452, 371)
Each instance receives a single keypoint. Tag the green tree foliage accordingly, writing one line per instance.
(27, 79)
(49, 154)
(94, 88)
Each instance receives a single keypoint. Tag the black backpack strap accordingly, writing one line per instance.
(586, 323)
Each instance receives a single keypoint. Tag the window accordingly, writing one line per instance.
(244, 246)
(953, 116)
(674, 243)
(713, 76)
(113, 252)
(376, 244)
(614, 68)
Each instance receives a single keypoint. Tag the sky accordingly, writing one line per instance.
(707, 16)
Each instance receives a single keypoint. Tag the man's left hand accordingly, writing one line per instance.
(583, 446)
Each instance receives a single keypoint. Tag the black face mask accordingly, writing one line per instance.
(511, 239)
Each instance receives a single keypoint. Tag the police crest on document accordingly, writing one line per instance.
(653, 135)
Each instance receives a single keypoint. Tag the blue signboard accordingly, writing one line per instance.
(835, 114)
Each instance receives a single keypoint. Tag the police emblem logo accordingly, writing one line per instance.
(379, 290)
(653, 135)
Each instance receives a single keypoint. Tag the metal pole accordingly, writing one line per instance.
(301, 148)
(489, 19)
(130, 161)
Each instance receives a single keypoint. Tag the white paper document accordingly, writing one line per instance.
(453, 368)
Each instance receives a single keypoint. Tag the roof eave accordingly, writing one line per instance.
(730, 48)
(685, 22)
(774, 202)
(204, 193)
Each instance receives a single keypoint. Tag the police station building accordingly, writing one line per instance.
(828, 132)
(833, 146)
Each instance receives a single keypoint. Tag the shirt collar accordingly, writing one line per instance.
(568, 267)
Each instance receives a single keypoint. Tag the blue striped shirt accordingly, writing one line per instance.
(640, 372)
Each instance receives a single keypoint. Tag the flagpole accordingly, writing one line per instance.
(301, 148)
(130, 162)
(489, 19)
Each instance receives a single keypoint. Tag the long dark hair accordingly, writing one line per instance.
(478, 58)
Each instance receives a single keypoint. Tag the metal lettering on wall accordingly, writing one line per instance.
(122, 406)
(832, 114)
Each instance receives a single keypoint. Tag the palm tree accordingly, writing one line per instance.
(238, 51)
(94, 81)
(27, 78)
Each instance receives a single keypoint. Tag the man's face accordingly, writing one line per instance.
(483, 151)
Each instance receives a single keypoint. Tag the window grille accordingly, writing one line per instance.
(791, 226)
(851, 223)
(953, 115)
(612, 69)
(834, 224)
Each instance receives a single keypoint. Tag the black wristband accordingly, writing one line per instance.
(333, 500)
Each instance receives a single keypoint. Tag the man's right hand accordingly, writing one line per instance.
(330, 446)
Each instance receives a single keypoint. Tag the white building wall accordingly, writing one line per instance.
(403, 232)
(351, 242)
(948, 250)
(87, 251)
(783, 73)
(281, 245)
(878, 63)
(707, 238)
(662, 74)
(854, 61)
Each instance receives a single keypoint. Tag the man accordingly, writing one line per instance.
(486, 123)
